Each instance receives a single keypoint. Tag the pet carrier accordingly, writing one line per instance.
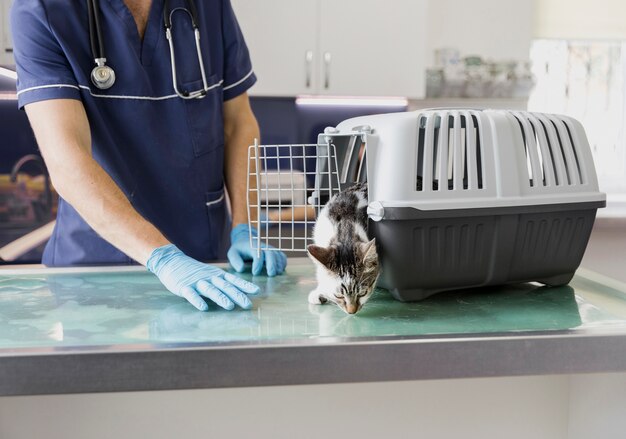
(457, 198)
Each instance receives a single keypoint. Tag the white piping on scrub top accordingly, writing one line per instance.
(147, 98)
(39, 87)
(239, 82)
(219, 200)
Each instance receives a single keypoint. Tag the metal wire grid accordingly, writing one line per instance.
(284, 201)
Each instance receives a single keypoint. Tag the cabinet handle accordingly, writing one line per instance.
(308, 56)
(8, 50)
(327, 59)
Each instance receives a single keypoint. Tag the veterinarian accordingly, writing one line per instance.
(142, 132)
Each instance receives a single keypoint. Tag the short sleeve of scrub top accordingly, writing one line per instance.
(238, 74)
(44, 71)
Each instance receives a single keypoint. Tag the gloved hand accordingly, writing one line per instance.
(191, 279)
(241, 251)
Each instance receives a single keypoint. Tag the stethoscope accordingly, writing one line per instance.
(103, 76)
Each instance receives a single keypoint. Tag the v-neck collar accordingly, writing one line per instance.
(145, 48)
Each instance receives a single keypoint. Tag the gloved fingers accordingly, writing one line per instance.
(243, 285)
(194, 298)
(271, 262)
(232, 292)
(285, 262)
(211, 292)
(278, 260)
(235, 259)
(257, 263)
(282, 258)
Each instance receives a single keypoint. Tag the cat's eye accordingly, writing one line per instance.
(339, 296)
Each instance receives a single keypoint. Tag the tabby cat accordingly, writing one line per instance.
(346, 260)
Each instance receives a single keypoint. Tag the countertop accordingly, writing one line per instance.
(117, 329)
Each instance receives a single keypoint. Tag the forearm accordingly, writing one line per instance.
(240, 132)
(83, 183)
(62, 132)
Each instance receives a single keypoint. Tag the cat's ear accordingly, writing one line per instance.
(368, 250)
(323, 255)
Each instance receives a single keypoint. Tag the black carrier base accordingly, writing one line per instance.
(426, 252)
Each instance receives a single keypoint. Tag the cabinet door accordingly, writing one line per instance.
(373, 47)
(282, 39)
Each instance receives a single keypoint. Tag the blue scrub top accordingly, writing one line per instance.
(165, 153)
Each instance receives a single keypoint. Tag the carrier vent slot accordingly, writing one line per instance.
(351, 162)
(361, 176)
(449, 152)
(551, 158)
(581, 172)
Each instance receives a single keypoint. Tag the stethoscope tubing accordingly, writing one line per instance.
(103, 76)
(95, 30)
(198, 94)
(167, 13)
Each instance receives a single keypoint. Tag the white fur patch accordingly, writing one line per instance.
(324, 229)
(327, 283)
(362, 201)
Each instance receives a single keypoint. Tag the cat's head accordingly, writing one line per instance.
(349, 273)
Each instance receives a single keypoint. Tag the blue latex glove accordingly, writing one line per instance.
(191, 279)
(240, 251)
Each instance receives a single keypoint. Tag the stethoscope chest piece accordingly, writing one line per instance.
(102, 75)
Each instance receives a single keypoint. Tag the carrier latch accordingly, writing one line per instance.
(376, 211)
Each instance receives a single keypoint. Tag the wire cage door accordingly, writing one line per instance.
(288, 185)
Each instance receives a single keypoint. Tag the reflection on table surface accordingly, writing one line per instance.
(56, 309)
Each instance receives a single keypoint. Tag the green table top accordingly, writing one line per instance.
(56, 308)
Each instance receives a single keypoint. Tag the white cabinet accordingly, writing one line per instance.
(336, 47)
(6, 44)
(373, 47)
(282, 38)
(493, 29)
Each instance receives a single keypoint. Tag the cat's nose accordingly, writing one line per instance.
(352, 308)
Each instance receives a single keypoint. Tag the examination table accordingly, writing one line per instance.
(521, 359)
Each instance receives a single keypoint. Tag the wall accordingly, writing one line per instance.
(498, 29)
(539, 407)
(580, 19)
(512, 408)
(597, 406)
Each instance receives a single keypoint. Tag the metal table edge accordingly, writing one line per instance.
(229, 366)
